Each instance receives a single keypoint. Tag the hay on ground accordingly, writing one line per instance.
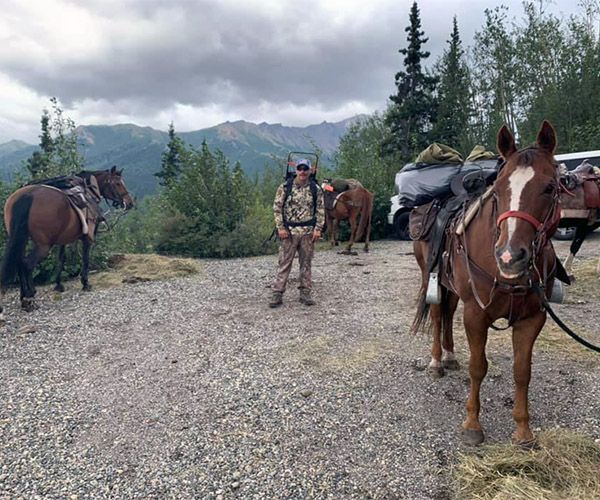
(134, 268)
(565, 466)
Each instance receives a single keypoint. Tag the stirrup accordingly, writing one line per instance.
(433, 294)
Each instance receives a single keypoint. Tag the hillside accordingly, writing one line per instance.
(138, 149)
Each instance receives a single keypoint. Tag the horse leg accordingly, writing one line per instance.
(353, 228)
(61, 264)
(524, 334)
(435, 368)
(86, 263)
(580, 234)
(37, 254)
(476, 326)
(450, 303)
(335, 226)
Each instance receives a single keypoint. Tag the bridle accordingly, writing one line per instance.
(111, 192)
(534, 277)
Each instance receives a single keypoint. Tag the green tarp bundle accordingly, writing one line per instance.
(479, 153)
(439, 153)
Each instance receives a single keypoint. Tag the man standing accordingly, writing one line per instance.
(300, 217)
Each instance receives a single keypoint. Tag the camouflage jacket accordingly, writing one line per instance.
(298, 208)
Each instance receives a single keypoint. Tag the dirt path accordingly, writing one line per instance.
(194, 387)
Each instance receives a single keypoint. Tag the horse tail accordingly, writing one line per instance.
(17, 239)
(365, 216)
(421, 319)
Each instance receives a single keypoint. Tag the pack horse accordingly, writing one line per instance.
(502, 265)
(45, 215)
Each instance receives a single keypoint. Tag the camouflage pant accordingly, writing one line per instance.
(305, 247)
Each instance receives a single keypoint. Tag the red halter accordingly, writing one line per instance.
(521, 215)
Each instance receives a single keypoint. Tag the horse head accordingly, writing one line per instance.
(112, 187)
(527, 198)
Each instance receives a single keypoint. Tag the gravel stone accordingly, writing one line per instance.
(189, 388)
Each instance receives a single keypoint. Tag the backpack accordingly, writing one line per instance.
(314, 189)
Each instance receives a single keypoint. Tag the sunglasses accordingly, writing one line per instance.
(303, 168)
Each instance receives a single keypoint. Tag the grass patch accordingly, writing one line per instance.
(323, 352)
(135, 268)
(565, 466)
(587, 282)
(553, 339)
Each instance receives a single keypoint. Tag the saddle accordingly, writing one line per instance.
(84, 196)
(333, 189)
(431, 222)
(583, 185)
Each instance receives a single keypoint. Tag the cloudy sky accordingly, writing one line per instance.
(201, 62)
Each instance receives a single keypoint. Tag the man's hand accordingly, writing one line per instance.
(283, 234)
(316, 235)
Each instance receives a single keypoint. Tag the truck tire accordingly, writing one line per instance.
(401, 226)
(564, 233)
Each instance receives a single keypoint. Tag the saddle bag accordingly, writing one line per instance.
(421, 220)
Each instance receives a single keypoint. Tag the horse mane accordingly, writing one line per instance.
(86, 174)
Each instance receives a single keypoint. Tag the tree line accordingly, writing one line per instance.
(518, 71)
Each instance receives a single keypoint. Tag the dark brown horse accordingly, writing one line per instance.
(355, 206)
(45, 215)
(498, 267)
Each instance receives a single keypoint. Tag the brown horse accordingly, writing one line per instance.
(355, 206)
(45, 215)
(499, 267)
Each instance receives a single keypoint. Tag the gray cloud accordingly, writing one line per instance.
(146, 56)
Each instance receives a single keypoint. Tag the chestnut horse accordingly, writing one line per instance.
(355, 206)
(45, 215)
(499, 267)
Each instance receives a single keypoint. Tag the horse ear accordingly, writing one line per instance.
(113, 169)
(505, 142)
(546, 138)
(120, 172)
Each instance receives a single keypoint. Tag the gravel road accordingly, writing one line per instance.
(194, 388)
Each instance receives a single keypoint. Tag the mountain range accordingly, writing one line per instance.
(138, 149)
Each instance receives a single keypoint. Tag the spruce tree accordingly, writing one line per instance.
(454, 96)
(171, 159)
(413, 106)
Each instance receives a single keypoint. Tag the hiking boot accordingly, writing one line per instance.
(276, 299)
(305, 297)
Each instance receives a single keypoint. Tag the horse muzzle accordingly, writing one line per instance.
(512, 263)
(127, 202)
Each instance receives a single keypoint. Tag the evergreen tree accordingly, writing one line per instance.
(46, 142)
(413, 106)
(40, 160)
(494, 77)
(171, 159)
(454, 96)
(58, 153)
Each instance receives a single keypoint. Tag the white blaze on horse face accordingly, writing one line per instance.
(516, 183)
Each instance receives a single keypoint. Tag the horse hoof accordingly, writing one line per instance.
(86, 288)
(472, 437)
(526, 444)
(59, 288)
(29, 305)
(436, 372)
(450, 364)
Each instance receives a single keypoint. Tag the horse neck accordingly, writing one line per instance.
(101, 177)
(480, 236)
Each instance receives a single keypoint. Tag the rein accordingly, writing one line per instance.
(544, 231)
(518, 292)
